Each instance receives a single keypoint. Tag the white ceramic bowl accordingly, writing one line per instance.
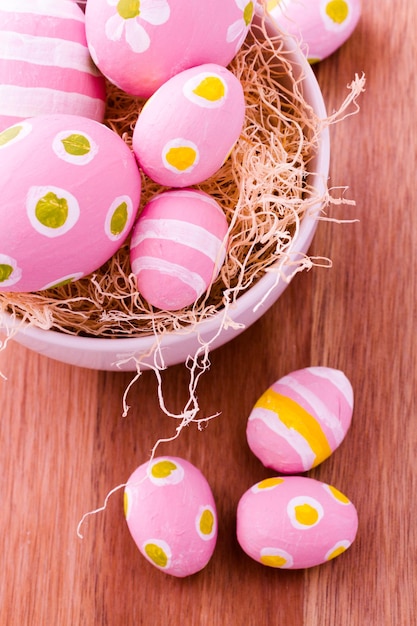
(123, 354)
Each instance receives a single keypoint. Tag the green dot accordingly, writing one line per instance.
(5, 271)
(9, 134)
(156, 554)
(62, 283)
(119, 219)
(52, 211)
(76, 145)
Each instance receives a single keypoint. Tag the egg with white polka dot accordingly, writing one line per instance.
(45, 64)
(295, 522)
(140, 44)
(187, 129)
(70, 190)
(178, 246)
(301, 419)
(171, 514)
(321, 26)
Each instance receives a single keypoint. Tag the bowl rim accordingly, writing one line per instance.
(268, 282)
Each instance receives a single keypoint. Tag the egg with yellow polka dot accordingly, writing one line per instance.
(295, 522)
(187, 129)
(70, 191)
(171, 514)
(321, 26)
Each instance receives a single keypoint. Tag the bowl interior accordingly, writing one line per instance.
(124, 354)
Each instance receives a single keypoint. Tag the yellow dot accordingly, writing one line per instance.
(248, 13)
(337, 10)
(206, 522)
(338, 495)
(210, 88)
(334, 553)
(162, 469)
(273, 560)
(181, 158)
(270, 482)
(128, 9)
(125, 503)
(156, 554)
(306, 514)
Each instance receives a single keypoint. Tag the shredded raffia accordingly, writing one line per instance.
(263, 188)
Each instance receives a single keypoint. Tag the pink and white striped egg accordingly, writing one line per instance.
(70, 189)
(171, 514)
(139, 45)
(321, 26)
(301, 419)
(45, 64)
(295, 522)
(187, 129)
(177, 247)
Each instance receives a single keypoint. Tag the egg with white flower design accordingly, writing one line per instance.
(139, 44)
(295, 522)
(70, 191)
(321, 26)
(171, 514)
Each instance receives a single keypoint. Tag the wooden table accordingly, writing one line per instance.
(64, 442)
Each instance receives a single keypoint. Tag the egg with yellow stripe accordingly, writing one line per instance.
(295, 522)
(301, 419)
(171, 514)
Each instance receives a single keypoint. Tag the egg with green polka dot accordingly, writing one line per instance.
(70, 191)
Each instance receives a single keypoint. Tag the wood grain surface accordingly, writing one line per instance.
(64, 442)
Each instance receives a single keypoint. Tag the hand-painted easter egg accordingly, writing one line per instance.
(70, 190)
(187, 129)
(321, 26)
(301, 419)
(177, 248)
(45, 65)
(171, 515)
(140, 44)
(295, 522)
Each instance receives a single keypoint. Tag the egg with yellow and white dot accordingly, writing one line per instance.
(295, 522)
(321, 26)
(188, 127)
(171, 514)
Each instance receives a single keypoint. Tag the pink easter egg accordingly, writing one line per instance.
(295, 522)
(188, 127)
(45, 65)
(178, 245)
(301, 419)
(171, 514)
(139, 45)
(70, 190)
(321, 26)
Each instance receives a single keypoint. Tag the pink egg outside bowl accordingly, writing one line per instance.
(124, 354)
